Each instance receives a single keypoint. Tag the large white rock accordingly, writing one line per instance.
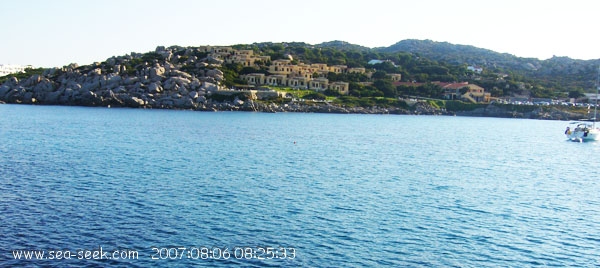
(180, 74)
(96, 71)
(209, 86)
(3, 90)
(113, 80)
(33, 80)
(88, 96)
(195, 84)
(156, 73)
(214, 73)
(185, 103)
(155, 88)
(44, 86)
(131, 80)
(52, 97)
(169, 67)
(132, 101)
(176, 82)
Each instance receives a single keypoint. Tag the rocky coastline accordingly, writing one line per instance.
(261, 106)
(176, 78)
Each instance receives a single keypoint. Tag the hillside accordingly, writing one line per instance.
(463, 54)
(557, 73)
(342, 45)
(195, 77)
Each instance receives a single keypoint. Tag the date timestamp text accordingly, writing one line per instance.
(223, 253)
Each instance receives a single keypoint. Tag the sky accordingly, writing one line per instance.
(55, 33)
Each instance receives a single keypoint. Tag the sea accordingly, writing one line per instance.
(118, 187)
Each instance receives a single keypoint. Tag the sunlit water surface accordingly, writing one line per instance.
(342, 190)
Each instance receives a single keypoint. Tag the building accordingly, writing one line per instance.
(283, 72)
(298, 82)
(395, 77)
(360, 70)
(341, 87)
(281, 67)
(300, 76)
(475, 69)
(472, 93)
(453, 91)
(373, 62)
(319, 84)
(338, 69)
(245, 57)
(13, 69)
(254, 79)
(276, 80)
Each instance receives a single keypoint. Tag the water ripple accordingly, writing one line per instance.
(343, 190)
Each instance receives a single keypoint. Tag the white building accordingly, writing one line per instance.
(12, 69)
(475, 69)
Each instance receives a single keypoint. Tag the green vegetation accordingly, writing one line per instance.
(351, 101)
(316, 96)
(420, 63)
(299, 94)
(412, 67)
(454, 105)
(28, 73)
(423, 62)
(578, 93)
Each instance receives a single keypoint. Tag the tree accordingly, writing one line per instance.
(249, 70)
(315, 96)
(496, 92)
(578, 93)
(379, 75)
(331, 92)
(540, 92)
(386, 87)
(386, 66)
(333, 77)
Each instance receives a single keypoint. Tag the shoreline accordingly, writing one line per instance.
(492, 111)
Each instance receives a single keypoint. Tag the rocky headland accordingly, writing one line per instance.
(184, 78)
(127, 81)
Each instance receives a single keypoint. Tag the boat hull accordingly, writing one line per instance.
(584, 135)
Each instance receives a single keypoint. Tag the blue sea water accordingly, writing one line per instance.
(340, 190)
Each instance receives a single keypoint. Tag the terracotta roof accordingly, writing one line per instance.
(455, 85)
(410, 84)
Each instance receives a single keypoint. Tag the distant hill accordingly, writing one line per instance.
(342, 45)
(463, 54)
(555, 72)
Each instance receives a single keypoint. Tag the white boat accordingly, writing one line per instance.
(586, 131)
(583, 131)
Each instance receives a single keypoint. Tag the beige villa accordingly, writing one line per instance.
(301, 76)
(283, 72)
(473, 93)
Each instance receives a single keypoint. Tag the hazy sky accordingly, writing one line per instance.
(55, 33)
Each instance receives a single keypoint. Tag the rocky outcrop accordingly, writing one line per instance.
(491, 111)
(175, 78)
(554, 114)
(535, 112)
(137, 80)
